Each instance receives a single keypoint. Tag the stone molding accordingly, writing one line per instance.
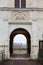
(23, 9)
(3, 45)
(20, 23)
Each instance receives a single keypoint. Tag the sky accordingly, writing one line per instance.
(19, 39)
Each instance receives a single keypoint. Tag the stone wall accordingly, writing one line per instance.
(29, 3)
(35, 18)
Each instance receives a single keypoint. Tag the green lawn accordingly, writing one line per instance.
(19, 49)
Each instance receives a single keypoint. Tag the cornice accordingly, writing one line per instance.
(20, 9)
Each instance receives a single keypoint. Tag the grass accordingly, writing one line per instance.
(19, 49)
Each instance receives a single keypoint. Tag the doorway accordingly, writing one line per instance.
(17, 33)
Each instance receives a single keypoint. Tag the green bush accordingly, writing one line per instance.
(40, 56)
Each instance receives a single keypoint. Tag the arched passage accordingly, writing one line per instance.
(25, 33)
(19, 45)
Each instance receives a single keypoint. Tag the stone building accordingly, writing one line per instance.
(21, 17)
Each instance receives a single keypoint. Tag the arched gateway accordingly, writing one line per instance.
(25, 33)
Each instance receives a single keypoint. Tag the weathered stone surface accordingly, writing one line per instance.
(31, 20)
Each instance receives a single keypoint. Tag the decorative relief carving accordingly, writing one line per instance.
(20, 15)
(20, 18)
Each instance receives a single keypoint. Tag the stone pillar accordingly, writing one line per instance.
(4, 34)
(35, 38)
(35, 42)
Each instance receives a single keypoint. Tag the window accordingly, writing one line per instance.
(20, 3)
(23, 3)
(40, 45)
(16, 3)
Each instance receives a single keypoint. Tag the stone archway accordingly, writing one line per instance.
(25, 33)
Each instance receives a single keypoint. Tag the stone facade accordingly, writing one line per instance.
(30, 18)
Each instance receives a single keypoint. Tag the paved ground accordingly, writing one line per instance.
(20, 54)
(20, 62)
(20, 51)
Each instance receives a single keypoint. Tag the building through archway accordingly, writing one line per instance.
(25, 33)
